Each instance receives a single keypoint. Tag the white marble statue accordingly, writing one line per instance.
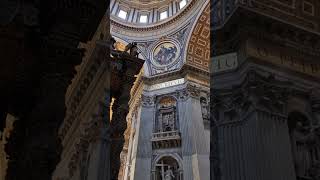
(169, 174)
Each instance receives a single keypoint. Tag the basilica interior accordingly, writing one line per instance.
(160, 90)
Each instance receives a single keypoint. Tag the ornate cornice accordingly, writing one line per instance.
(290, 12)
(263, 27)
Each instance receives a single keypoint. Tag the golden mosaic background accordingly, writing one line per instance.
(198, 53)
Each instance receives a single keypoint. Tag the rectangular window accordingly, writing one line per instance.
(163, 15)
(182, 3)
(122, 14)
(143, 19)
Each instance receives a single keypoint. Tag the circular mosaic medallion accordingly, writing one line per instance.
(165, 53)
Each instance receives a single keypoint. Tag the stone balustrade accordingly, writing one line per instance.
(169, 139)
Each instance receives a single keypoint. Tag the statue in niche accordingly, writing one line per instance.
(204, 108)
(166, 120)
(169, 174)
(167, 168)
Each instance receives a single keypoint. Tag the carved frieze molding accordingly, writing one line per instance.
(266, 29)
(189, 72)
(187, 91)
(289, 11)
(301, 40)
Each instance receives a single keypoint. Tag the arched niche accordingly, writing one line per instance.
(166, 115)
(167, 167)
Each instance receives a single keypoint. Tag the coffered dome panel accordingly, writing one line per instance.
(198, 51)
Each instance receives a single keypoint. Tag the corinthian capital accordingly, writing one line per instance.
(147, 100)
(189, 91)
(193, 90)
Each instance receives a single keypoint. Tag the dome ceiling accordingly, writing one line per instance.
(145, 4)
(146, 13)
